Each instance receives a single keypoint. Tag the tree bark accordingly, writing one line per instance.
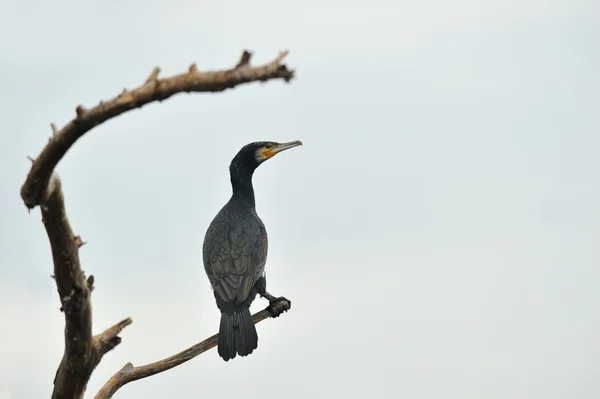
(130, 373)
(83, 350)
(154, 89)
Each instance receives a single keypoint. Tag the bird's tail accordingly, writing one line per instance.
(237, 334)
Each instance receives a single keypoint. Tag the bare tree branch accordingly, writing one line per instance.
(82, 350)
(130, 373)
(154, 89)
(109, 338)
(43, 187)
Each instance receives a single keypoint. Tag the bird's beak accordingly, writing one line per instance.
(285, 146)
(281, 147)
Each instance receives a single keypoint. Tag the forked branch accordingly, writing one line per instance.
(130, 373)
(83, 351)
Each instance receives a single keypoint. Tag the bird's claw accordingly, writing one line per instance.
(278, 306)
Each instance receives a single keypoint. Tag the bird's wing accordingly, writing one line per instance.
(234, 260)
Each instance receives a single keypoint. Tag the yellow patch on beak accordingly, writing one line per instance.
(268, 153)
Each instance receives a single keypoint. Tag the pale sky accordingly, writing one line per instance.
(437, 233)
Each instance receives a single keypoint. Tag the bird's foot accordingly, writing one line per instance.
(279, 305)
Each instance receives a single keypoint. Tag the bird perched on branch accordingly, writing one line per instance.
(235, 252)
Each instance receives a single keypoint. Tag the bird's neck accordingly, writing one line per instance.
(243, 191)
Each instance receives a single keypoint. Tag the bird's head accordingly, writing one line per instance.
(253, 154)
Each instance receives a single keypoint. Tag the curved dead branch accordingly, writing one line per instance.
(130, 373)
(154, 89)
(83, 351)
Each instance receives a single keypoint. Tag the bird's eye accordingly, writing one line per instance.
(268, 146)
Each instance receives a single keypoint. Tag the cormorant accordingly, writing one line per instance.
(235, 252)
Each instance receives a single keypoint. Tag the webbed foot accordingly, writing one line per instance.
(279, 305)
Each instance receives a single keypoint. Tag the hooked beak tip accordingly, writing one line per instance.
(287, 146)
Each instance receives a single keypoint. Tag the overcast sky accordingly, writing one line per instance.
(437, 233)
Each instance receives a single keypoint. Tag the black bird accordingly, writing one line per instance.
(235, 252)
